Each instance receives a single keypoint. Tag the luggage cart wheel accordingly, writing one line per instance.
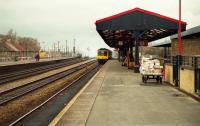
(157, 79)
(144, 79)
(161, 80)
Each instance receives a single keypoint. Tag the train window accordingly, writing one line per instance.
(102, 53)
(105, 53)
(99, 53)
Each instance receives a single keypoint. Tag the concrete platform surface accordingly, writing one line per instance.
(117, 97)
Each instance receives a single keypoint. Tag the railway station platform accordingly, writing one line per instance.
(10, 63)
(116, 96)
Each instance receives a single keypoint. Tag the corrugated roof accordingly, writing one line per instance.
(163, 43)
(189, 32)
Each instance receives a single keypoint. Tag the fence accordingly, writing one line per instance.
(185, 61)
(14, 56)
(191, 61)
(28, 55)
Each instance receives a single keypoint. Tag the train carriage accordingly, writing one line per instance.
(103, 55)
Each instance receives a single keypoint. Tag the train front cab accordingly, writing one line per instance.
(102, 56)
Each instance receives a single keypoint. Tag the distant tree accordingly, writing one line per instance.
(28, 43)
(10, 32)
(10, 36)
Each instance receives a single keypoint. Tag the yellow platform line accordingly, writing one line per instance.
(60, 115)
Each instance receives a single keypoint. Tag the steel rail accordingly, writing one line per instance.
(50, 98)
(2, 76)
(18, 68)
(14, 93)
(17, 92)
(35, 71)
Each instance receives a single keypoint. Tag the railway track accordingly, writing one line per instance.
(9, 95)
(13, 96)
(6, 78)
(20, 67)
(17, 121)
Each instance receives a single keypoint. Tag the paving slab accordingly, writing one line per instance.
(117, 97)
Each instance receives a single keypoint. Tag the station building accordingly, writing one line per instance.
(187, 78)
(190, 42)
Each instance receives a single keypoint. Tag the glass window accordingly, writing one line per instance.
(105, 53)
(102, 53)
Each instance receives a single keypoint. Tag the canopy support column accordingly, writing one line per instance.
(137, 62)
(130, 59)
(119, 54)
(165, 52)
(136, 35)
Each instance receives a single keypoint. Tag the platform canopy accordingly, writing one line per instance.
(160, 43)
(122, 29)
(190, 33)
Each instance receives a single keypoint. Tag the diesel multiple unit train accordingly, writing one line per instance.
(103, 55)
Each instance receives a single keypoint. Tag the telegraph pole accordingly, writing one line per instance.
(54, 48)
(74, 48)
(58, 47)
(66, 47)
(88, 49)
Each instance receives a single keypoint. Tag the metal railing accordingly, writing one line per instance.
(168, 59)
(188, 61)
(197, 62)
(13, 55)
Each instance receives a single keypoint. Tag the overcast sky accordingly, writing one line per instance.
(59, 20)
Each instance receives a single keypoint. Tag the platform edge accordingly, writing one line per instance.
(66, 108)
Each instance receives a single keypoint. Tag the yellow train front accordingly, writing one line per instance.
(103, 55)
(42, 54)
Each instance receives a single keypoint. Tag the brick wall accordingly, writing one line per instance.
(190, 46)
(152, 51)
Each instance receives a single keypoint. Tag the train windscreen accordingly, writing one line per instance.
(102, 53)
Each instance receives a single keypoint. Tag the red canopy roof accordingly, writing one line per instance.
(139, 10)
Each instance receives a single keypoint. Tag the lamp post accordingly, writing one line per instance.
(177, 83)
(43, 46)
(179, 31)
